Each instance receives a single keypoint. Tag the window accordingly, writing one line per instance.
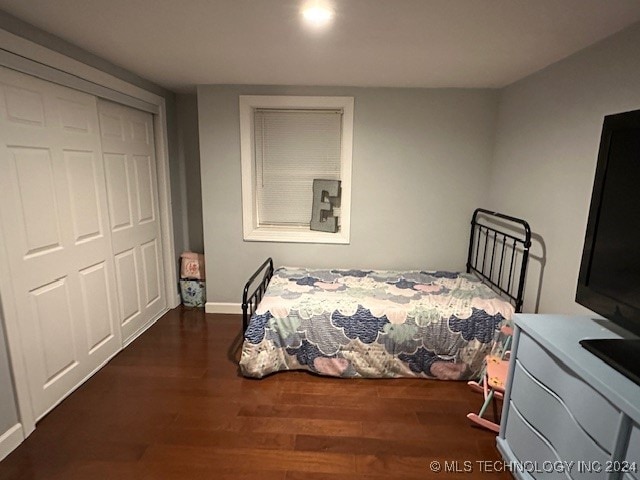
(286, 143)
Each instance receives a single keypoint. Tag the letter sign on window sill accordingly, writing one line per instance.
(326, 194)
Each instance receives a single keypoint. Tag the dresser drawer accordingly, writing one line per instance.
(580, 399)
(549, 416)
(528, 446)
(633, 452)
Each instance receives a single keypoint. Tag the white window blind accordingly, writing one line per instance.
(292, 147)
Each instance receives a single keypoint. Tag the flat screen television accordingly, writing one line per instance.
(609, 278)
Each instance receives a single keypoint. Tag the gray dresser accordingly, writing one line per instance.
(567, 414)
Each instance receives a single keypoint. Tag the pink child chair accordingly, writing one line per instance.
(492, 383)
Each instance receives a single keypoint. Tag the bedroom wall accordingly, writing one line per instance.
(189, 156)
(421, 161)
(547, 141)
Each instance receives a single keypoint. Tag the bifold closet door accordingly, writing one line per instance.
(132, 190)
(55, 219)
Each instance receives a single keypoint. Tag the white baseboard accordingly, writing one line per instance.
(10, 440)
(220, 307)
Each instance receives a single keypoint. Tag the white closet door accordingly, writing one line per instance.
(53, 206)
(132, 190)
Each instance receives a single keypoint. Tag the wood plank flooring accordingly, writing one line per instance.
(172, 406)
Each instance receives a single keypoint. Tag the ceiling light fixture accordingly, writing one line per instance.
(317, 15)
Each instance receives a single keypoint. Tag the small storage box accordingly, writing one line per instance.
(192, 266)
(192, 279)
(193, 293)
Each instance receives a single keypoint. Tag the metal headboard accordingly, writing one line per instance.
(511, 238)
(487, 239)
(250, 301)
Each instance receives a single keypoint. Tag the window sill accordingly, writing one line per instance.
(295, 235)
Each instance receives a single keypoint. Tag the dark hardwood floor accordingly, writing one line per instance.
(172, 406)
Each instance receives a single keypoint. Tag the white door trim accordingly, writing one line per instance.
(53, 75)
(10, 439)
(42, 55)
(28, 57)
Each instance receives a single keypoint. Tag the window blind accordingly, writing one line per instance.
(292, 147)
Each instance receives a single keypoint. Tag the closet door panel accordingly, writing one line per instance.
(132, 184)
(53, 207)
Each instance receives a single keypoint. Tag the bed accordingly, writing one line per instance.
(387, 323)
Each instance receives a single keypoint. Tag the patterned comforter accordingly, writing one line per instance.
(353, 323)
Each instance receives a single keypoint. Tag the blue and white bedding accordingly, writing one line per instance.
(355, 323)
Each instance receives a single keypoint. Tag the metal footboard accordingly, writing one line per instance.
(250, 301)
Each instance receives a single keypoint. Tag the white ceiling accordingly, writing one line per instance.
(399, 43)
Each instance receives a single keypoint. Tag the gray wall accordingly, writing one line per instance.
(8, 409)
(189, 157)
(421, 161)
(546, 150)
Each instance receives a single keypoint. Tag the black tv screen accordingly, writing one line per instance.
(609, 279)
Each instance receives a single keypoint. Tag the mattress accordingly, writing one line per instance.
(374, 324)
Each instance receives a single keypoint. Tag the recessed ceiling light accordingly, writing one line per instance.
(317, 15)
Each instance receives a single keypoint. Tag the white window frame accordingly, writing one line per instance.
(252, 231)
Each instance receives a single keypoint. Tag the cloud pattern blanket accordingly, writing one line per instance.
(382, 324)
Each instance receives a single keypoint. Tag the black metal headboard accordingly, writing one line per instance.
(499, 252)
(498, 255)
